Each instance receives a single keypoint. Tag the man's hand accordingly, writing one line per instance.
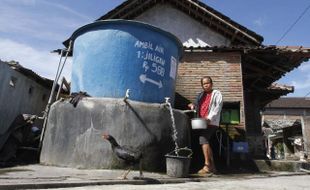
(191, 106)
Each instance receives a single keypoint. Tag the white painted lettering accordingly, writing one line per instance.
(154, 58)
(144, 45)
(160, 49)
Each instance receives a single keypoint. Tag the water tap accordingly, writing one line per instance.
(127, 94)
(167, 100)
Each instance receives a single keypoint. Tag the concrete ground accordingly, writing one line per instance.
(43, 177)
(275, 183)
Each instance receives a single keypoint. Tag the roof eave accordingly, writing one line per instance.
(198, 10)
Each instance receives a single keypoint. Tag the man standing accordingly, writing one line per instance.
(208, 105)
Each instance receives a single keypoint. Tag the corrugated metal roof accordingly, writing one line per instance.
(30, 74)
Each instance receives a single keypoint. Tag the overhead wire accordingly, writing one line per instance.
(292, 25)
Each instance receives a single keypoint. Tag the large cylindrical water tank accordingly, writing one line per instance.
(112, 56)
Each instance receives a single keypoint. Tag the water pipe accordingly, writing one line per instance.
(61, 65)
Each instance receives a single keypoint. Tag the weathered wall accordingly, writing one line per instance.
(293, 114)
(278, 117)
(306, 133)
(188, 30)
(26, 96)
(287, 112)
(73, 135)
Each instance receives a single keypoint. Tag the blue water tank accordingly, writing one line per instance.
(112, 56)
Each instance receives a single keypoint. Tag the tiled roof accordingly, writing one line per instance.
(281, 87)
(281, 124)
(260, 48)
(290, 102)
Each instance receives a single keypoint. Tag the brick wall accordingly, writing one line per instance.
(224, 68)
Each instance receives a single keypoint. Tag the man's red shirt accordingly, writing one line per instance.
(204, 104)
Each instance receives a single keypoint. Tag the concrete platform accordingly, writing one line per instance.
(43, 177)
(282, 165)
(73, 134)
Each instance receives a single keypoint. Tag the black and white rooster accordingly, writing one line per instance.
(76, 97)
(125, 153)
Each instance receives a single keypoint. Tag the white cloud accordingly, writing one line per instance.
(43, 63)
(43, 20)
(301, 85)
(304, 81)
(259, 22)
(67, 9)
(24, 2)
(305, 67)
(31, 28)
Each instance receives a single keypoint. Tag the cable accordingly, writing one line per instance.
(291, 27)
(307, 94)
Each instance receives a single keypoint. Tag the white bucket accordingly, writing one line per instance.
(199, 123)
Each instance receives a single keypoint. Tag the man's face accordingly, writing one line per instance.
(206, 85)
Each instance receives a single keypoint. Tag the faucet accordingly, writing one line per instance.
(126, 94)
(167, 100)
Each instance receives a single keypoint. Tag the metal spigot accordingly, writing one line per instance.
(127, 94)
(167, 100)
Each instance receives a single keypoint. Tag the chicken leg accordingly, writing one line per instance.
(124, 174)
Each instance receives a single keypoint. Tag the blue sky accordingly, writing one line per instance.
(30, 29)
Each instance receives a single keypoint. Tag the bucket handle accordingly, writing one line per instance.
(185, 148)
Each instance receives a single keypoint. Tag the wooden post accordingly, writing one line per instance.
(228, 146)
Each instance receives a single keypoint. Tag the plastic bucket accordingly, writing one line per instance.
(199, 123)
(178, 166)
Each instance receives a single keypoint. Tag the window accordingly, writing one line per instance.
(30, 90)
(230, 113)
(13, 81)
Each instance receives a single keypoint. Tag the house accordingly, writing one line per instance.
(21, 91)
(242, 68)
(286, 124)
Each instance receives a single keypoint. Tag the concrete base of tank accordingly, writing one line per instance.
(73, 135)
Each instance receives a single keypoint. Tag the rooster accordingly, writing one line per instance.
(125, 153)
(77, 96)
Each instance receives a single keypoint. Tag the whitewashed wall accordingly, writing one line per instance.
(188, 30)
(18, 100)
